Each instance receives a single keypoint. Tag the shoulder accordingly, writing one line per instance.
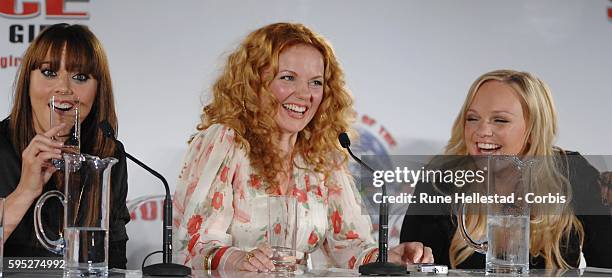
(215, 144)
(6, 147)
(119, 150)
(577, 166)
(4, 133)
(10, 161)
(215, 132)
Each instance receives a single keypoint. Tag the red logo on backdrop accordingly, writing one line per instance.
(147, 208)
(18, 10)
(53, 9)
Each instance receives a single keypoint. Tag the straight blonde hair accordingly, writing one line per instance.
(548, 228)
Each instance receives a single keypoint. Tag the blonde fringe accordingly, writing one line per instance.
(547, 230)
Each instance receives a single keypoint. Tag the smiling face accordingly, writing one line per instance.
(298, 86)
(495, 121)
(46, 82)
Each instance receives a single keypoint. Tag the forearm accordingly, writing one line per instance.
(16, 205)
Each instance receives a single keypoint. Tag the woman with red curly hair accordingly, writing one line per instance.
(271, 129)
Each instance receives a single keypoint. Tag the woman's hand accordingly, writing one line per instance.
(257, 259)
(410, 253)
(36, 168)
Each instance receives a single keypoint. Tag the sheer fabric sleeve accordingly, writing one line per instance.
(203, 198)
(349, 239)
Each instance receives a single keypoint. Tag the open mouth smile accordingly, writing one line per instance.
(63, 106)
(292, 108)
(488, 148)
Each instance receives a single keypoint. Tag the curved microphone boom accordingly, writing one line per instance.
(345, 142)
(381, 266)
(167, 268)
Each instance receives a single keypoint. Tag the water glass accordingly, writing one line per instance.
(507, 245)
(64, 109)
(282, 232)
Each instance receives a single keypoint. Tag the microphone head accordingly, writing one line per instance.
(107, 129)
(345, 142)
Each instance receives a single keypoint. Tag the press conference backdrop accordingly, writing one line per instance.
(408, 63)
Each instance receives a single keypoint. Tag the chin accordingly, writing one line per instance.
(291, 130)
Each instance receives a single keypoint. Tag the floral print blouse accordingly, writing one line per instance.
(219, 201)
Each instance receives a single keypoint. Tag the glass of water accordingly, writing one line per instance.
(507, 244)
(282, 232)
(64, 109)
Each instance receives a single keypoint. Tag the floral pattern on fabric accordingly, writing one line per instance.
(220, 201)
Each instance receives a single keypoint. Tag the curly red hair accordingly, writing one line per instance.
(242, 101)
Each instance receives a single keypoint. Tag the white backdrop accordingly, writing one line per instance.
(408, 63)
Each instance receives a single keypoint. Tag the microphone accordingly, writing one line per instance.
(345, 142)
(381, 266)
(167, 268)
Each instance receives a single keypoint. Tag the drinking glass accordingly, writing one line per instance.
(282, 232)
(507, 245)
(64, 109)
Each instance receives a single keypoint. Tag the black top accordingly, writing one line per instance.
(23, 241)
(437, 227)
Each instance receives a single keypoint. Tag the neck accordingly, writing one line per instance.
(286, 143)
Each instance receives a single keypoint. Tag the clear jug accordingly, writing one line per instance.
(507, 244)
(86, 198)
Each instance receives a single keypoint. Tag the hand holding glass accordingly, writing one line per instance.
(64, 109)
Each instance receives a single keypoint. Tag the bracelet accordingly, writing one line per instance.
(368, 257)
(208, 258)
(216, 258)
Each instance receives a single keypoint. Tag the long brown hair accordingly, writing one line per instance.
(83, 53)
(242, 100)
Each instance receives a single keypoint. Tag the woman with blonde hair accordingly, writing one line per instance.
(508, 112)
(271, 129)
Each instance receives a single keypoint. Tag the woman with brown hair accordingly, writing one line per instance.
(63, 60)
(272, 129)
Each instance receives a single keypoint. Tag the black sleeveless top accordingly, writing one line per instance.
(435, 228)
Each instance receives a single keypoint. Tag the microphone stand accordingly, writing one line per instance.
(381, 266)
(166, 268)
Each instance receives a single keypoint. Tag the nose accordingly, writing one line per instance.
(63, 85)
(302, 91)
(484, 129)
